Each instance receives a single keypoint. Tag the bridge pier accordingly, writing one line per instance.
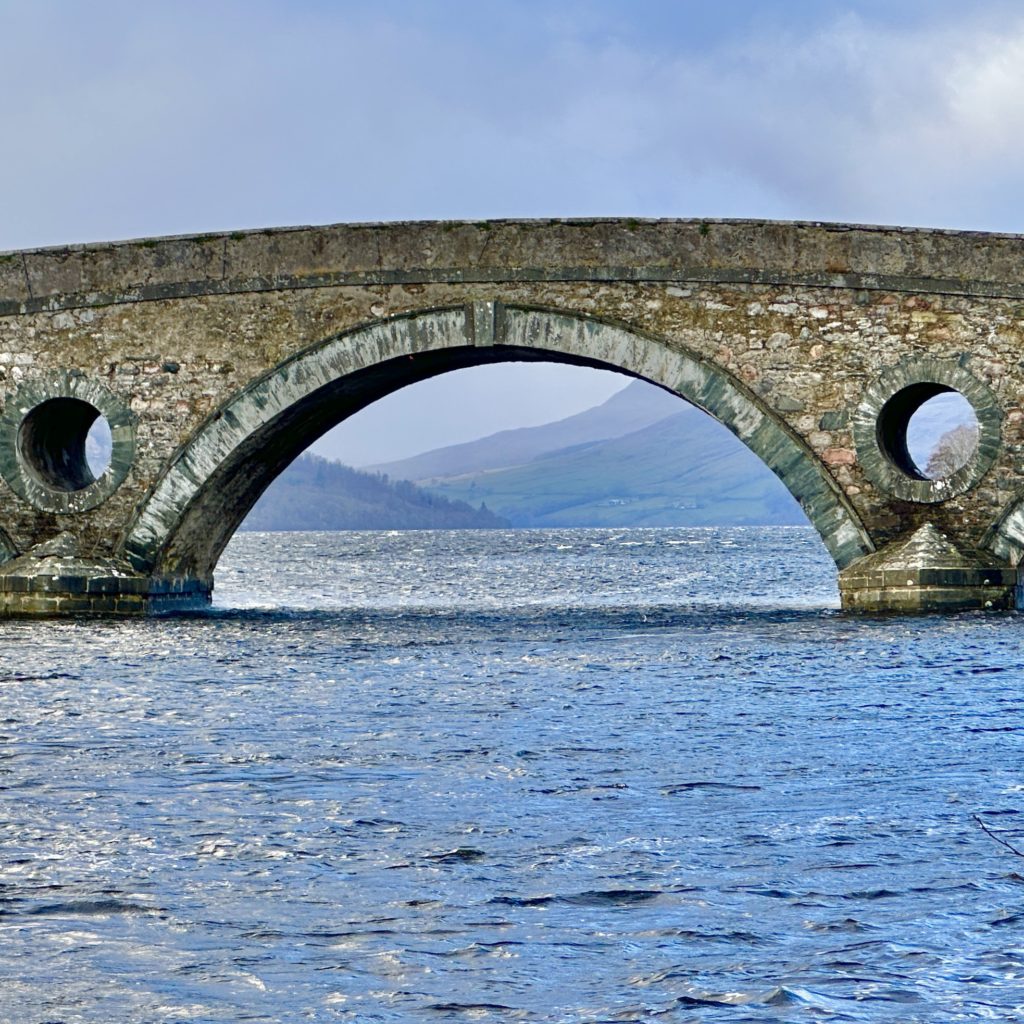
(926, 572)
(51, 580)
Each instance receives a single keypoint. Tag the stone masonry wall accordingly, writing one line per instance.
(805, 317)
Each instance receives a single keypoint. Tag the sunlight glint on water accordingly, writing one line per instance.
(542, 775)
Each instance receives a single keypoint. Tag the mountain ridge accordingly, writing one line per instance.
(644, 457)
(683, 470)
(637, 405)
(314, 493)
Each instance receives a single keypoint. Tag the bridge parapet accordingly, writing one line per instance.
(795, 254)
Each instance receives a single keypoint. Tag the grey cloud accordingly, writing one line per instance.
(143, 119)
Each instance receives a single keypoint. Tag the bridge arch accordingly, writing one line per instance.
(213, 481)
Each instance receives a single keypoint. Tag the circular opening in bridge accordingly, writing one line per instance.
(930, 431)
(64, 443)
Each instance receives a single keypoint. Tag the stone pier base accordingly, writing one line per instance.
(52, 579)
(922, 572)
(926, 572)
(50, 596)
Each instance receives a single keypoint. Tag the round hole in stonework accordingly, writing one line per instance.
(62, 445)
(930, 431)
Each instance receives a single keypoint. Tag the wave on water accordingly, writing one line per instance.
(513, 775)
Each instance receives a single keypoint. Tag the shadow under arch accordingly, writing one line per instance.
(216, 477)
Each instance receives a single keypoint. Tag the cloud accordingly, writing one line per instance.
(143, 119)
(919, 125)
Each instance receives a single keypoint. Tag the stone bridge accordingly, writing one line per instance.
(216, 359)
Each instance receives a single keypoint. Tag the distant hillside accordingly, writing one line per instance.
(315, 494)
(643, 458)
(685, 470)
(637, 405)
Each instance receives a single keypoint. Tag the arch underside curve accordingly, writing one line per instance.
(215, 479)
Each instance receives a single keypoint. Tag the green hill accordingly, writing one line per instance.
(594, 469)
(315, 494)
(685, 470)
(637, 405)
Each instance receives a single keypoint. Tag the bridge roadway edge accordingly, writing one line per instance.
(868, 266)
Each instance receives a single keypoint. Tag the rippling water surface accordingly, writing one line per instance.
(544, 776)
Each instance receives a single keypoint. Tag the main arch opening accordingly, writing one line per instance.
(599, 450)
(222, 473)
(558, 484)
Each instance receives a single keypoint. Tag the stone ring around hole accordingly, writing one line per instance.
(881, 420)
(44, 430)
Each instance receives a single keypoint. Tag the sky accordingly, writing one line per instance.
(127, 120)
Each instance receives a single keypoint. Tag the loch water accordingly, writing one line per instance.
(566, 776)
